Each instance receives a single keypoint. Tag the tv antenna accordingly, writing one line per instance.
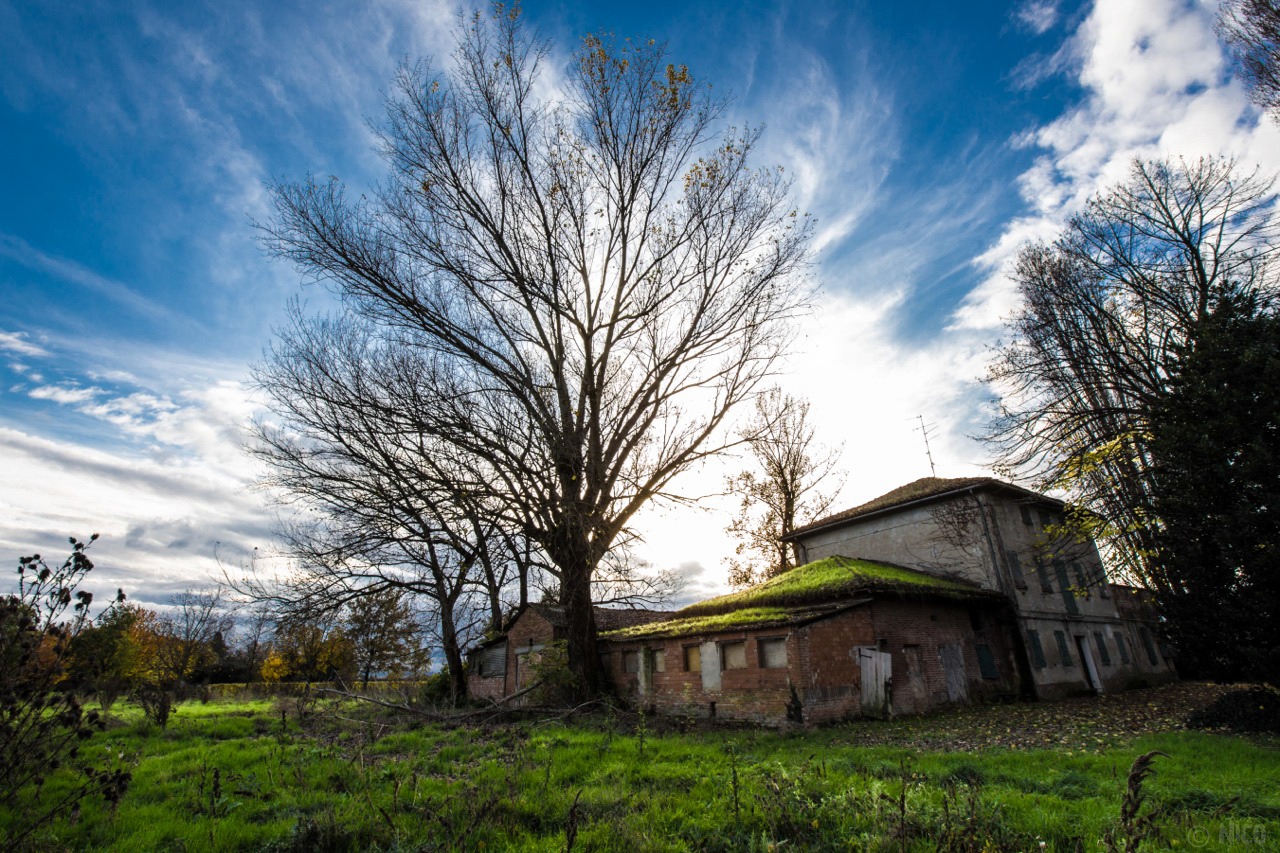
(924, 430)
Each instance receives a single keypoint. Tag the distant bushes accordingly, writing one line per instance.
(1256, 709)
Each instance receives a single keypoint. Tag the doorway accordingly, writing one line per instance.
(1090, 668)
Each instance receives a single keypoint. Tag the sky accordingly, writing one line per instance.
(929, 140)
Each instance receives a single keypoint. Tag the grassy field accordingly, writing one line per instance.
(233, 776)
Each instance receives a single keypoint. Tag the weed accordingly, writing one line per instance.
(1135, 827)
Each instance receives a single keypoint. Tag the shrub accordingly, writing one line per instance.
(42, 723)
(1256, 709)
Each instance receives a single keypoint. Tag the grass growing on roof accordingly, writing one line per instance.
(712, 623)
(824, 580)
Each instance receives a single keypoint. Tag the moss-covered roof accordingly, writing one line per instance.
(925, 487)
(736, 620)
(804, 593)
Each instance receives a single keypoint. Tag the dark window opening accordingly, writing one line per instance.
(1015, 569)
(987, 662)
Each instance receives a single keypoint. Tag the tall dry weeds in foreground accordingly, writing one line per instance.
(1134, 827)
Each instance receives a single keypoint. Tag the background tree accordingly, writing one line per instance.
(386, 634)
(42, 723)
(594, 275)
(386, 508)
(793, 481)
(103, 655)
(1252, 29)
(174, 647)
(310, 648)
(1215, 450)
(1106, 312)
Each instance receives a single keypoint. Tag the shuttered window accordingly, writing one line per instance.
(1148, 645)
(1121, 647)
(493, 661)
(773, 653)
(1068, 597)
(692, 658)
(1015, 569)
(1082, 582)
(1037, 650)
(733, 655)
(1042, 572)
(986, 661)
(1102, 648)
(1064, 652)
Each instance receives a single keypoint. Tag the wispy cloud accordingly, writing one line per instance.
(20, 343)
(19, 250)
(64, 394)
(1038, 16)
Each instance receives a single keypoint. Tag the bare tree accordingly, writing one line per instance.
(1252, 29)
(593, 271)
(1105, 311)
(383, 506)
(792, 482)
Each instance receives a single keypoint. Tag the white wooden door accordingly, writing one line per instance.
(877, 674)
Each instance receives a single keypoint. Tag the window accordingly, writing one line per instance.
(657, 660)
(1102, 648)
(773, 653)
(630, 662)
(975, 619)
(1037, 650)
(1145, 635)
(1121, 647)
(1026, 514)
(986, 661)
(733, 655)
(1015, 568)
(493, 661)
(1104, 584)
(1064, 653)
(1068, 595)
(693, 659)
(1082, 582)
(1042, 572)
(1046, 518)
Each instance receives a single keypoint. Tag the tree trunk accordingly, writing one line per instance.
(584, 657)
(452, 655)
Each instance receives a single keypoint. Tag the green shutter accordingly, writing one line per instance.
(1102, 648)
(1015, 568)
(1121, 647)
(1064, 652)
(1037, 650)
(986, 661)
(1042, 572)
(1148, 645)
(1068, 597)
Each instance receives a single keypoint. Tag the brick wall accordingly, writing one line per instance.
(529, 629)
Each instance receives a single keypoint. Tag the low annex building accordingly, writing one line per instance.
(942, 591)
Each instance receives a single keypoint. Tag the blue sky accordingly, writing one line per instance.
(930, 140)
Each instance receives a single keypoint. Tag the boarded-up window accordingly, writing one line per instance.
(1015, 569)
(733, 655)
(631, 662)
(658, 660)
(1102, 648)
(986, 661)
(1064, 652)
(1042, 572)
(773, 653)
(493, 661)
(1121, 647)
(692, 658)
(1037, 650)
(1068, 596)
(1148, 645)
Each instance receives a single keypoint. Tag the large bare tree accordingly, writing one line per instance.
(792, 480)
(589, 263)
(1106, 311)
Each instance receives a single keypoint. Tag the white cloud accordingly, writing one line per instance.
(19, 343)
(1156, 85)
(1037, 15)
(66, 394)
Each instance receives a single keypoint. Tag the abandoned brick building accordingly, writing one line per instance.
(941, 591)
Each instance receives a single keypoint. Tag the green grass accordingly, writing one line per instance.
(349, 783)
